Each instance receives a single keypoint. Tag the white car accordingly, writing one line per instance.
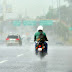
(13, 40)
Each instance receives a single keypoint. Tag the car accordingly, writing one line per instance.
(13, 39)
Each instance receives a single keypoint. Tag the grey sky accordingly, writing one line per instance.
(33, 7)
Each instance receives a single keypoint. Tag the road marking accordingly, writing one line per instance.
(19, 55)
(3, 61)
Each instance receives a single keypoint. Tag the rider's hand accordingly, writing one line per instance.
(47, 40)
(35, 41)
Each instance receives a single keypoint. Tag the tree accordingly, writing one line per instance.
(69, 1)
(51, 14)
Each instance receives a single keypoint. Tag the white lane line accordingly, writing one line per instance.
(19, 55)
(3, 61)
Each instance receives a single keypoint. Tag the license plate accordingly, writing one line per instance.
(12, 41)
(39, 49)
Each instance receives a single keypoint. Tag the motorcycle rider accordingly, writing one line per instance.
(39, 31)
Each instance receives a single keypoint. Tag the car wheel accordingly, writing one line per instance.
(20, 44)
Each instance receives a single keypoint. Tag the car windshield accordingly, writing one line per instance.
(13, 36)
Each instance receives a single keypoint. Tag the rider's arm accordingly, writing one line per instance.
(46, 38)
(35, 37)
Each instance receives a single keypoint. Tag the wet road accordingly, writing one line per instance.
(23, 59)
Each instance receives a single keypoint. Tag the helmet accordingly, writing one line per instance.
(40, 28)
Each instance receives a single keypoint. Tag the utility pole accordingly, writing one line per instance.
(43, 12)
(57, 6)
(25, 13)
(3, 17)
(52, 4)
(59, 12)
(4, 9)
(58, 15)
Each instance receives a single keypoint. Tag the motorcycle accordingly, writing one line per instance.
(41, 49)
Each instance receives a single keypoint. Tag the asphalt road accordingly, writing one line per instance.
(23, 59)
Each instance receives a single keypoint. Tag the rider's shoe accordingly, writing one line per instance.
(46, 53)
(36, 52)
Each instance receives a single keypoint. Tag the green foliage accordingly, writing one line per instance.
(69, 1)
(62, 31)
(51, 14)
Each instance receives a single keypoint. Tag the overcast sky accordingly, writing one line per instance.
(33, 8)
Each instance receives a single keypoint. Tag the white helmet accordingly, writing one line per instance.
(40, 28)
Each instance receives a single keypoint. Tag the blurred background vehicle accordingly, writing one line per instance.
(13, 40)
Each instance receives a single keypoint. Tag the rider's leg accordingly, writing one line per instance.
(46, 45)
(36, 51)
